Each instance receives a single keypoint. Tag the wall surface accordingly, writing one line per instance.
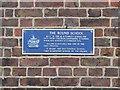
(56, 72)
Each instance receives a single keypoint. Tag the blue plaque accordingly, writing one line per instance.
(58, 41)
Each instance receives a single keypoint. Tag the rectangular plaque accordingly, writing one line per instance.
(58, 41)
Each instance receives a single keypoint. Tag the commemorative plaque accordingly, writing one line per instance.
(58, 41)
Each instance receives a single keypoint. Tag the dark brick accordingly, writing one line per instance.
(71, 22)
(95, 62)
(50, 12)
(116, 82)
(116, 42)
(9, 32)
(94, 12)
(28, 13)
(74, 3)
(7, 72)
(64, 61)
(26, 4)
(102, 42)
(116, 62)
(34, 82)
(7, 52)
(94, 22)
(64, 81)
(25, 22)
(98, 32)
(49, 89)
(17, 52)
(10, 22)
(1, 52)
(107, 51)
(110, 12)
(49, 22)
(49, 72)
(19, 72)
(117, 52)
(80, 72)
(34, 71)
(111, 72)
(115, 22)
(9, 4)
(95, 82)
(8, 13)
(95, 72)
(72, 12)
(18, 89)
(34, 62)
(10, 82)
(65, 72)
(63, 88)
(80, 89)
(9, 62)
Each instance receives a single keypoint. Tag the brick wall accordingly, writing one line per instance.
(47, 72)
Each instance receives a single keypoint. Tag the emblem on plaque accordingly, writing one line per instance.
(33, 42)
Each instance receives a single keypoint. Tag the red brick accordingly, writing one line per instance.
(116, 82)
(64, 81)
(10, 82)
(9, 42)
(34, 71)
(95, 82)
(111, 32)
(26, 4)
(7, 52)
(74, 3)
(65, 72)
(9, 62)
(95, 62)
(117, 52)
(19, 72)
(49, 72)
(50, 12)
(8, 13)
(18, 32)
(98, 32)
(49, 4)
(34, 62)
(10, 22)
(110, 12)
(115, 4)
(49, 22)
(71, 22)
(94, 12)
(116, 62)
(94, 4)
(7, 72)
(25, 22)
(95, 72)
(111, 72)
(72, 12)
(28, 13)
(80, 72)
(9, 4)
(102, 42)
(34, 82)
(64, 61)
(94, 22)
(17, 52)
(115, 23)
(107, 51)
(116, 42)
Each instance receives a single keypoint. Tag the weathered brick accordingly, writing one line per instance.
(34, 71)
(10, 22)
(34, 82)
(95, 82)
(49, 4)
(7, 72)
(64, 81)
(94, 12)
(7, 52)
(72, 12)
(116, 62)
(115, 4)
(34, 62)
(80, 89)
(28, 13)
(1, 52)
(111, 32)
(9, 4)
(50, 12)
(10, 82)
(116, 82)
(9, 13)
(117, 52)
(64, 61)
(49, 72)
(95, 72)
(49, 22)
(80, 72)
(26, 4)
(18, 89)
(110, 12)
(71, 22)
(63, 88)
(115, 22)
(116, 42)
(18, 32)
(107, 51)
(94, 4)
(65, 72)
(34, 89)
(9, 42)
(94, 22)
(74, 3)
(9, 62)
(9, 32)
(25, 22)
(98, 32)
(111, 72)
(49, 88)
(17, 52)
(102, 42)
(19, 72)
(95, 61)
